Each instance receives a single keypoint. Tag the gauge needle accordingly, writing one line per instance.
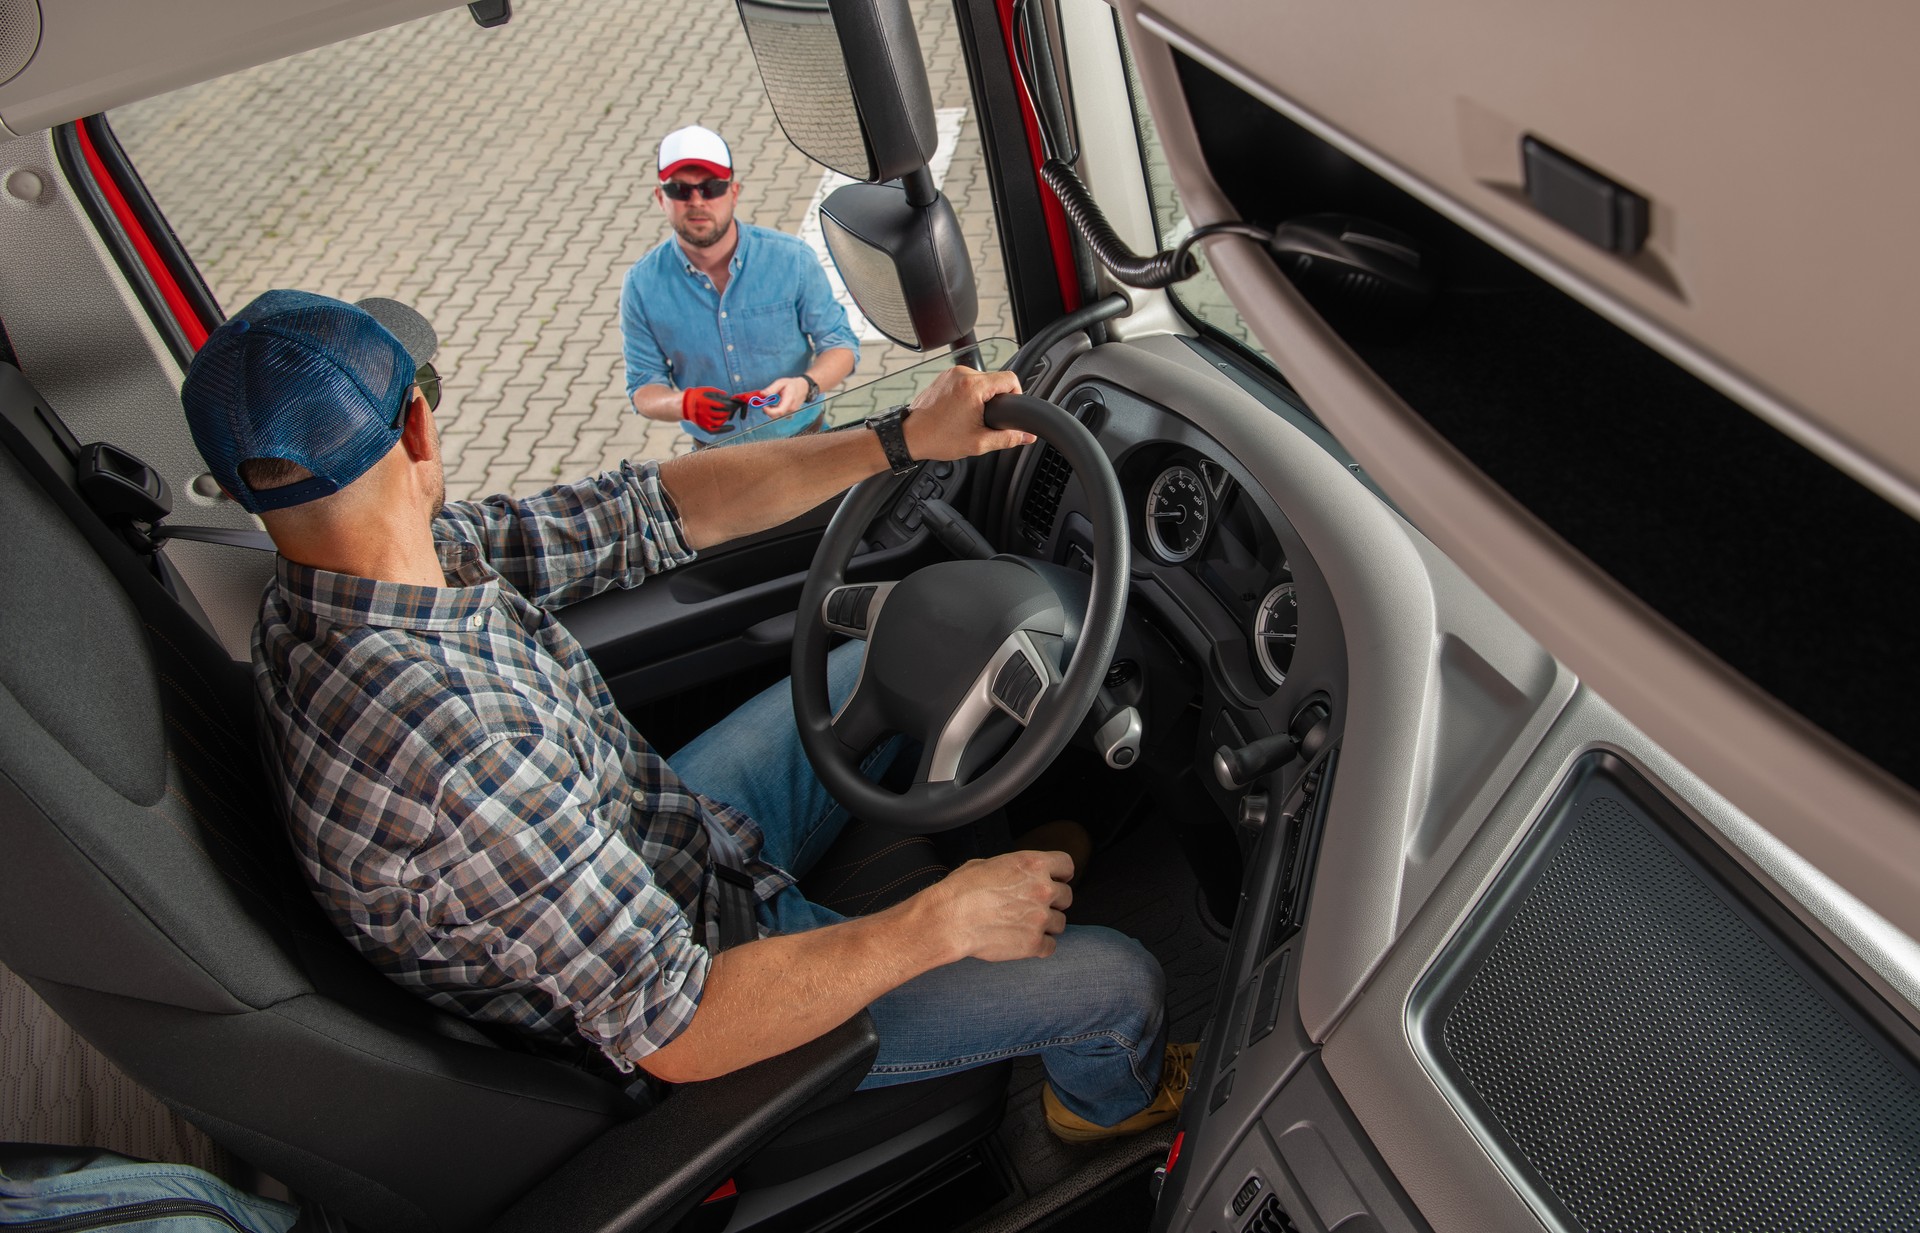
(1178, 515)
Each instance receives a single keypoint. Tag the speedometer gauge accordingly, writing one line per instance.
(1276, 631)
(1176, 514)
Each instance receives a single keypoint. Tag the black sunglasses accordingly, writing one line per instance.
(680, 190)
(427, 378)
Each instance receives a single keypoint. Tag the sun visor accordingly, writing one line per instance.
(73, 58)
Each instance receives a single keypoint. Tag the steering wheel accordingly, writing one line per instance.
(961, 655)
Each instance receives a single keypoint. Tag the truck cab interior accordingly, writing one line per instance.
(1486, 670)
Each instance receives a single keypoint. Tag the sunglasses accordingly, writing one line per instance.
(427, 378)
(680, 190)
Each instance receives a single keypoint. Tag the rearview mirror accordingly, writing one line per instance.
(846, 82)
(903, 260)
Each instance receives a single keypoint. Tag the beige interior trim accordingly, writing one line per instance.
(1850, 820)
(1780, 264)
(99, 54)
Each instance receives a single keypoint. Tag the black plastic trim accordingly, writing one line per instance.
(73, 164)
(1033, 284)
(1597, 773)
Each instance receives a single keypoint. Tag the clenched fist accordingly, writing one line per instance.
(1009, 907)
(947, 419)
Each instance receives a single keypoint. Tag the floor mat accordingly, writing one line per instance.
(1142, 886)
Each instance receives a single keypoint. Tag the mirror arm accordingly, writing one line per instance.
(921, 190)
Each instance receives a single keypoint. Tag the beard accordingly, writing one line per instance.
(708, 240)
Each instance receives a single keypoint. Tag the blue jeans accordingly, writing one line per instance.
(1092, 1010)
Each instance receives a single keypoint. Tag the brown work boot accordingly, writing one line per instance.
(1071, 1127)
(1064, 836)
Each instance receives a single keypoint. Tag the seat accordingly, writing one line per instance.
(147, 894)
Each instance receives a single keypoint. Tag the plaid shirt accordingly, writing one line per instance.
(469, 805)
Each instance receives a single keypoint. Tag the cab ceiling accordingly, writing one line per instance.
(1772, 142)
(92, 55)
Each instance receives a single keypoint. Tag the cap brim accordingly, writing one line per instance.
(697, 164)
(413, 331)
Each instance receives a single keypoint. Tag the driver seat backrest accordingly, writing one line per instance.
(148, 895)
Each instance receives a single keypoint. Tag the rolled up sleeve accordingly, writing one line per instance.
(821, 316)
(575, 540)
(646, 359)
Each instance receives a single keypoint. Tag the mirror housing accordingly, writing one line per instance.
(904, 262)
(876, 124)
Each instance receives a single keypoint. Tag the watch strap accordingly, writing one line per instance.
(888, 426)
(813, 387)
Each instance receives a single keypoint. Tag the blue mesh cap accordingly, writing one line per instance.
(306, 378)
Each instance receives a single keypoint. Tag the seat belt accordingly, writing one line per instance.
(730, 896)
(232, 537)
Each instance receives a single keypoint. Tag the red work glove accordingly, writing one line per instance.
(706, 407)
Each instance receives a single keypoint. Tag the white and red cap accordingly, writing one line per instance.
(696, 147)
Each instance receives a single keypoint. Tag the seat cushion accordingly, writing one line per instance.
(870, 868)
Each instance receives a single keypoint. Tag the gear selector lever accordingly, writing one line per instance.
(1234, 769)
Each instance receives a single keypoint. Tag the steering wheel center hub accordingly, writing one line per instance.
(940, 627)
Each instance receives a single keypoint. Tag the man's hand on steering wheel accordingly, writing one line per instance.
(946, 420)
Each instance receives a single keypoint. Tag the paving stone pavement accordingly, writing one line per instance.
(499, 181)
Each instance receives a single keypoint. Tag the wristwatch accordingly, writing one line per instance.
(813, 388)
(888, 426)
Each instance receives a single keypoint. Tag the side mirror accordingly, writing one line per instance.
(872, 124)
(903, 260)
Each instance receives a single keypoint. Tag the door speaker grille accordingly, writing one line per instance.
(1653, 1050)
(19, 36)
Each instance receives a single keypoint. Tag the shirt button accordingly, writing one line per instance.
(723, 316)
(729, 346)
(477, 621)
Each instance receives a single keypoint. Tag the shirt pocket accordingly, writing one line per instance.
(769, 336)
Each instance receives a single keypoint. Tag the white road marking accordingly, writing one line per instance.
(947, 122)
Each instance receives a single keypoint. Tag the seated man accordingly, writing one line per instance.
(484, 824)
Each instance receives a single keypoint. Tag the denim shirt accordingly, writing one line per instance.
(776, 315)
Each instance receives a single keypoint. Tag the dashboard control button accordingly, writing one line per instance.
(1221, 1091)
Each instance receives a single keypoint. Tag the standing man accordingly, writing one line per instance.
(725, 308)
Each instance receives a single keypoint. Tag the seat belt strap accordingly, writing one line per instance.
(232, 537)
(730, 894)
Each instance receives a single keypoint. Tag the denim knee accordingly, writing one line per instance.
(1131, 987)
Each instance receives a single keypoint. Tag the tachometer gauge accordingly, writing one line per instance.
(1176, 514)
(1276, 631)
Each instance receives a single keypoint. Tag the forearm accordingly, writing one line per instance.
(657, 402)
(778, 993)
(724, 494)
(831, 367)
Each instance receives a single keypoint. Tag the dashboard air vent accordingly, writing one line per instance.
(1049, 481)
(1270, 1217)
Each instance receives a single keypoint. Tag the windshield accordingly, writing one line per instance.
(1202, 298)
(854, 405)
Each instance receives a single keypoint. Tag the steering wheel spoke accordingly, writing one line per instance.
(1013, 682)
(860, 722)
(987, 632)
(854, 610)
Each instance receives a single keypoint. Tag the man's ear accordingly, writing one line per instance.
(417, 433)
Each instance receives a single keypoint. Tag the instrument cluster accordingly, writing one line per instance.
(1193, 515)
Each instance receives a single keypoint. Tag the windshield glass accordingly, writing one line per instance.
(502, 182)
(1201, 297)
(854, 405)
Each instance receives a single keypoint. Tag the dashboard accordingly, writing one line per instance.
(1342, 1082)
(1218, 574)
